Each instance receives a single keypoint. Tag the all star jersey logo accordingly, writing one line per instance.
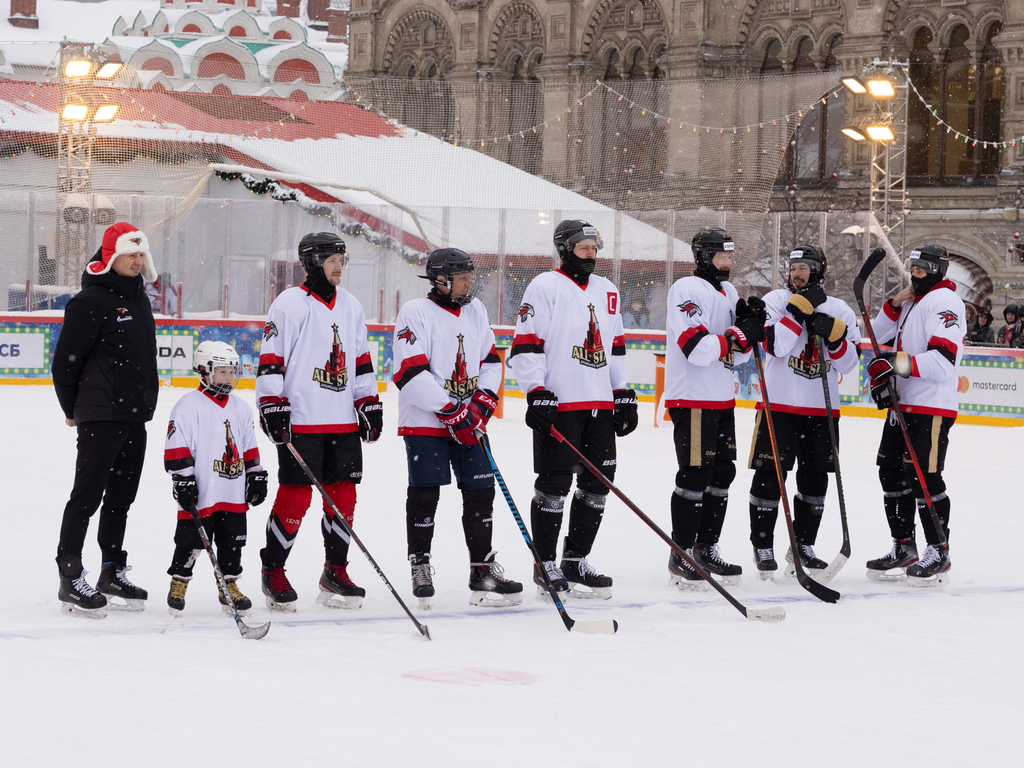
(591, 354)
(460, 383)
(230, 465)
(334, 374)
(949, 318)
(808, 364)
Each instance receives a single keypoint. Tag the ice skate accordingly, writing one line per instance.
(708, 556)
(932, 570)
(337, 590)
(121, 594)
(582, 579)
(682, 576)
(764, 559)
(277, 588)
(555, 577)
(489, 587)
(902, 555)
(78, 597)
(242, 603)
(813, 565)
(176, 594)
(422, 581)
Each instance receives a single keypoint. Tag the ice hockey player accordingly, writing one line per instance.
(448, 372)
(316, 389)
(709, 330)
(104, 372)
(925, 324)
(575, 383)
(211, 455)
(798, 316)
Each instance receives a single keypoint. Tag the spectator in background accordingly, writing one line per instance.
(1010, 332)
(162, 295)
(971, 314)
(982, 332)
(636, 315)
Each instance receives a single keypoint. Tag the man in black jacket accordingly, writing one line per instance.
(104, 371)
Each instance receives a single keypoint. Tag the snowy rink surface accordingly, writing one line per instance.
(889, 675)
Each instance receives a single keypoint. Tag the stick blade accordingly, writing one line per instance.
(253, 633)
(825, 576)
(603, 627)
(771, 615)
(820, 591)
(425, 631)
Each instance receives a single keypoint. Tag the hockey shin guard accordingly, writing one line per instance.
(809, 504)
(477, 516)
(716, 500)
(898, 498)
(290, 507)
(764, 508)
(585, 516)
(940, 500)
(420, 511)
(546, 511)
(336, 540)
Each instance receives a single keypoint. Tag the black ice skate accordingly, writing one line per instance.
(764, 559)
(583, 580)
(77, 596)
(277, 588)
(812, 564)
(932, 569)
(176, 594)
(121, 594)
(337, 590)
(422, 583)
(682, 576)
(902, 555)
(556, 579)
(708, 556)
(489, 587)
(242, 603)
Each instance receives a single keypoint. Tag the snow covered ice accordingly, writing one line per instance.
(889, 674)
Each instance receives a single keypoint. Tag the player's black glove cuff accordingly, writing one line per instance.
(541, 407)
(625, 417)
(186, 491)
(831, 329)
(276, 419)
(256, 487)
(370, 414)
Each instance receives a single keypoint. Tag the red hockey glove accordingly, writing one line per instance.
(460, 421)
(482, 405)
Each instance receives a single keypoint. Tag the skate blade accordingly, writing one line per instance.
(791, 571)
(892, 575)
(95, 613)
(937, 580)
(424, 603)
(273, 605)
(685, 585)
(243, 612)
(728, 581)
(174, 611)
(494, 599)
(766, 575)
(543, 594)
(334, 600)
(583, 592)
(128, 606)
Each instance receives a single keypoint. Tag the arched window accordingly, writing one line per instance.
(635, 16)
(611, 72)
(221, 90)
(238, 31)
(804, 61)
(282, 35)
(298, 95)
(771, 61)
(296, 69)
(158, 64)
(218, 63)
(192, 29)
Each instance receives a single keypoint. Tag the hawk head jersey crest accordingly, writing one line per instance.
(591, 354)
(123, 314)
(949, 318)
(525, 311)
(334, 374)
(171, 429)
(690, 308)
(460, 383)
(407, 335)
(269, 330)
(230, 465)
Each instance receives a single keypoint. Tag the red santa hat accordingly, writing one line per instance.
(123, 238)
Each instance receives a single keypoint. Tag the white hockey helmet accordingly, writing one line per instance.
(211, 355)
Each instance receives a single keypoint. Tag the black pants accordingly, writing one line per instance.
(109, 465)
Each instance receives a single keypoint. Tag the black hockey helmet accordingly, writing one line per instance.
(933, 259)
(569, 232)
(442, 265)
(813, 257)
(707, 242)
(317, 246)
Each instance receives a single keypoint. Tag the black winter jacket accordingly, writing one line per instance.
(104, 364)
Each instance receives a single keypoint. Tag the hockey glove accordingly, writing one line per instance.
(460, 421)
(745, 334)
(806, 301)
(831, 329)
(276, 419)
(185, 490)
(541, 406)
(881, 370)
(256, 487)
(625, 417)
(482, 405)
(752, 307)
(370, 413)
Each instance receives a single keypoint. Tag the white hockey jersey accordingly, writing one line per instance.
(930, 328)
(214, 439)
(560, 341)
(698, 363)
(442, 356)
(315, 355)
(792, 370)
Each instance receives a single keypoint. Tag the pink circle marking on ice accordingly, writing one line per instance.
(463, 676)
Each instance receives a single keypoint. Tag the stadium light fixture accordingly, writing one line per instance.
(882, 133)
(74, 113)
(853, 133)
(78, 68)
(855, 85)
(106, 113)
(881, 89)
(109, 70)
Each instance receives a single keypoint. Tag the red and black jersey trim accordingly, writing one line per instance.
(363, 364)
(271, 365)
(769, 340)
(411, 367)
(690, 338)
(177, 459)
(251, 458)
(619, 346)
(492, 356)
(527, 343)
(944, 347)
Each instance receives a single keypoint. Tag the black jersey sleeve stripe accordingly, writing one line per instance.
(270, 369)
(946, 353)
(769, 340)
(410, 373)
(364, 368)
(492, 357)
(176, 465)
(692, 342)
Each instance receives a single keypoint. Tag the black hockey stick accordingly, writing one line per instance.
(866, 269)
(340, 519)
(249, 633)
(844, 551)
(754, 614)
(602, 627)
(820, 591)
